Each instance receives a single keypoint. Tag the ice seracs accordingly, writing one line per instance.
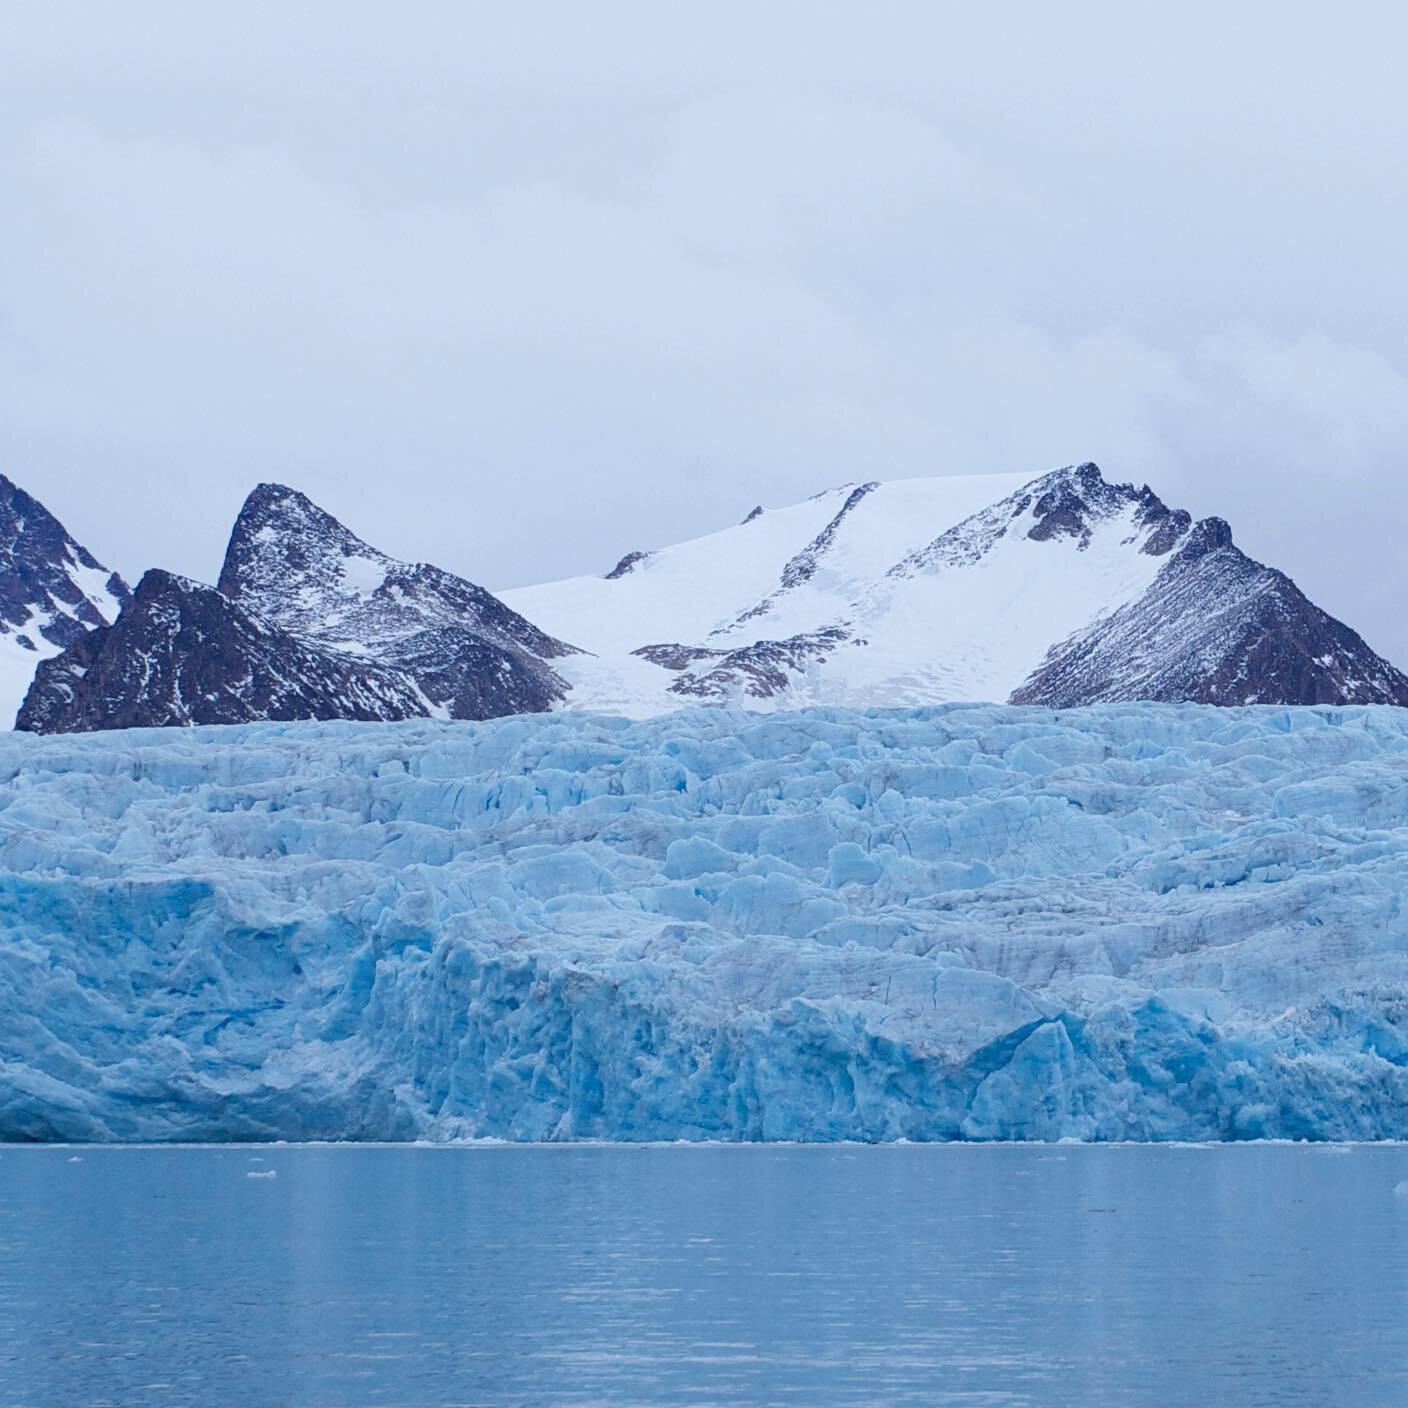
(1133, 921)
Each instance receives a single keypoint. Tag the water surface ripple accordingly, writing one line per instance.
(704, 1276)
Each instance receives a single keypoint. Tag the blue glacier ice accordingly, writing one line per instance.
(965, 922)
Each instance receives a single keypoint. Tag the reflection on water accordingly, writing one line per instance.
(632, 1276)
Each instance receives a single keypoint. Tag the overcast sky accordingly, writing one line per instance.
(518, 287)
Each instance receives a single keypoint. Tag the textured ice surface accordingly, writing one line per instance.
(1125, 922)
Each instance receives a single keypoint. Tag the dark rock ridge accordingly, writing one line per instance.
(184, 653)
(52, 589)
(1069, 502)
(760, 670)
(307, 621)
(1063, 506)
(629, 563)
(802, 567)
(1216, 627)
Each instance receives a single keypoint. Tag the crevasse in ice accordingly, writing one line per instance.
(967, 922)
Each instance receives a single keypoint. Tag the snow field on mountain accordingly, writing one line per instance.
(695, 592)
(17, 667)
(942, 590)
(977, 631)
(1124, 922)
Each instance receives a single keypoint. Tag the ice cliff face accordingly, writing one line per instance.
(1122, 922)
(52, 590)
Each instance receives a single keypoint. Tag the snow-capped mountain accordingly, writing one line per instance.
(1060, 590)
(52, 591)
(1215, 627)
(308, 622)
(301, 570)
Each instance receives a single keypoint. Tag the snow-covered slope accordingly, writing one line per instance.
(301, 570)
(308, 622)
(921, 591)
(1217, 627)
(780, 572)
(1125, 922)
(52, 590)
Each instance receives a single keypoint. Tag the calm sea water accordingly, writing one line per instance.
(807, 1276)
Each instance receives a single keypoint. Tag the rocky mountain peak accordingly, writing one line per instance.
(303, 570)
(304, 612)
(52, 588)
(282, 541)
(1208, 535)
(1069, 502)
(52, 591)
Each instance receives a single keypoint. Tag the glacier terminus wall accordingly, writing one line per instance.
(1146, 922)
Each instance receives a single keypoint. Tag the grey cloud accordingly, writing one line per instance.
(517, 292)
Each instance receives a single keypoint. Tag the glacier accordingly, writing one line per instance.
(964, 922)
